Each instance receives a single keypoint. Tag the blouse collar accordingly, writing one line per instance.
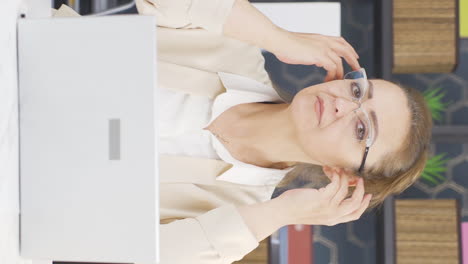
(240, 90)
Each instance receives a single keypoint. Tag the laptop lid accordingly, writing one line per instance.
(88, 154)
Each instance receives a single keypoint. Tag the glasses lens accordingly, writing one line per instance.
(356, 89)
(358, 74)
(363, 129)
(356, 84)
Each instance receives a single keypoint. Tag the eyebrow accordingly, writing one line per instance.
(371, 89)
(376, 125)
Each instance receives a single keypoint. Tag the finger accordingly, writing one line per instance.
(358, 193)
(351, 204)
(342, 191)
(354, 63)
(339, 65)
(329, 76)
(347, 54)
(359, 212)
(346, 43)
(328, 171)
(332, 188)
(329, 65)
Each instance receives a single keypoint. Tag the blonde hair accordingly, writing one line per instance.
(395, 172)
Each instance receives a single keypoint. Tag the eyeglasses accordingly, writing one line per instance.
(358, 87)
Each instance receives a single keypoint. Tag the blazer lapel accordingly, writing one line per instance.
(189, 80)
(184, 169)
(189, 60)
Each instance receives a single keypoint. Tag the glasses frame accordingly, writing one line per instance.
(370, 137)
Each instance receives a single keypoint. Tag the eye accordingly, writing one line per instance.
(360, 130)
(356, 90)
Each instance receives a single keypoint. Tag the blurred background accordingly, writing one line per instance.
(371, 27)
(367, 25)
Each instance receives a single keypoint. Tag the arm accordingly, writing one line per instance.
(240, 20)
(263, 219)
(326, 206)
(219, 236)
(207, 14)
(249, 25)
(228, 233)
(229, 16)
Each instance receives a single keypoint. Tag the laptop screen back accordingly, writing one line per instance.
(88, 154)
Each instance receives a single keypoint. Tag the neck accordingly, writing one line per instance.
(263, 135)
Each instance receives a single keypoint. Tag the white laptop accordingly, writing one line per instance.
(88, 153)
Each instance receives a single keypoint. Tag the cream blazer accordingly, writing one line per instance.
(200, 223)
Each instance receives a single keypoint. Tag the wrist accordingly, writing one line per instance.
(280, 212)
(264, 218)
(246, 23)
(274, 39)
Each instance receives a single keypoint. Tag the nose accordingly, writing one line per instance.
(344, 106)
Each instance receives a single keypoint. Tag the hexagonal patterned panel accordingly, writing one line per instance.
(324, 256)
(353, 13)
(449, 193)
(354, 241)
(420, 84)
(462, 68)
(453, 150)
(453, 86)
(302, 75)
(360, 232)
(460, 116)
(429, 187)
(460, 173)
(414, 192)
(358, 38)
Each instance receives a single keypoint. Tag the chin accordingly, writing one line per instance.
(304, 119)
(303, 111)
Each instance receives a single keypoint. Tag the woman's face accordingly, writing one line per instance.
(331, 132)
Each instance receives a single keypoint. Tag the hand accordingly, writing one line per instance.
(325, 206)
(314, 49)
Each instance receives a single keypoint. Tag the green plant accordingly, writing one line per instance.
(435, 166)
(433, 97)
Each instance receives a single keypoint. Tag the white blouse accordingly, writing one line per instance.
(183, 116)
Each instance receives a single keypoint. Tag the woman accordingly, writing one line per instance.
(225, 146)
(216, 204)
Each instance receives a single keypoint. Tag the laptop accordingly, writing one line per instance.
(88, 139)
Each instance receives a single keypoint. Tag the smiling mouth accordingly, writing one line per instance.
(319, 109)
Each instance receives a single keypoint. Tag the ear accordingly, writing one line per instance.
(329, 171)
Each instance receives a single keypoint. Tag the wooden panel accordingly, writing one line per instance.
(425, 35)
(258, 255)
(427, 231)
